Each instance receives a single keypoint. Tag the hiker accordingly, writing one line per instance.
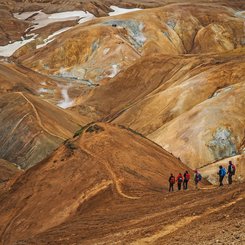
(221, 173)
(179, 180)
(171, 181)
(197, 178)
(231, 172)
(186, 180)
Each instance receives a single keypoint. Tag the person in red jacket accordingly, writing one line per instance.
(187, 177)
(179, 180)
(171, 181)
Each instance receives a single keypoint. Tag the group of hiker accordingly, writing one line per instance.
(184, 179)
(230, 171)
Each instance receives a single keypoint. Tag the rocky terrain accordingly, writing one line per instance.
(8, 170)
(120, 198)
(95, 164)
(103, 47)
(32, 128)
(100, 101)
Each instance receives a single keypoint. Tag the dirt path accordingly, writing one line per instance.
(115, 179)
(38, 117)
(181, 223)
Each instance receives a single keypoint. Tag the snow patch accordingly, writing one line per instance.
(40, 19)
(9, 49)
(51, 38)
(67, 101)
(46, 41)
(86, 18)
(24, 15)
(43, 90)
(118, 11)
(114, 71)
(221, 91)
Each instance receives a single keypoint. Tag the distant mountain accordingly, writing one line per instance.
(99, 49)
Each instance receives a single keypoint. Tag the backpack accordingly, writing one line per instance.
(233, 169)
(180, 179)
(187, 176)
(198, 177)
(223, 172)
(172, 180)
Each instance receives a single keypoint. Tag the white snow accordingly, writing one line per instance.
(114, 71)
(46, 41)
(59, 32)
(41, 19)
(24, 15)
(43, 90)
(117, 10)
(87, 18)
(9, 49)
(222, 90)
(69, 14)
(67, 101)
(51, 38)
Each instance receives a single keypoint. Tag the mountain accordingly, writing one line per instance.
(99, 49)
(159, 71)
(174, 103)
(61, 92)
(103, 163)
(30, 128)
(109, 185)
(7, 170)
(11, 29)
(17, 78)
(100, 101)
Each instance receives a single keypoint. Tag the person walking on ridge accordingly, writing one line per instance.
(179, 180)
(231, 172)
(171, 181)
(197, 178)
(187, 177)
(221, 173)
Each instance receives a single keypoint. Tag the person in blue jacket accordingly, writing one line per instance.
(221, 173)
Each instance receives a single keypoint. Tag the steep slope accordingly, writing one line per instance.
(179, 103)
(210, 171)
(99, 49)
(7, 170)
(209, 138)
(30, 128)
(105, 162)
(11, 29)
(17, 78)
(61, 92)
